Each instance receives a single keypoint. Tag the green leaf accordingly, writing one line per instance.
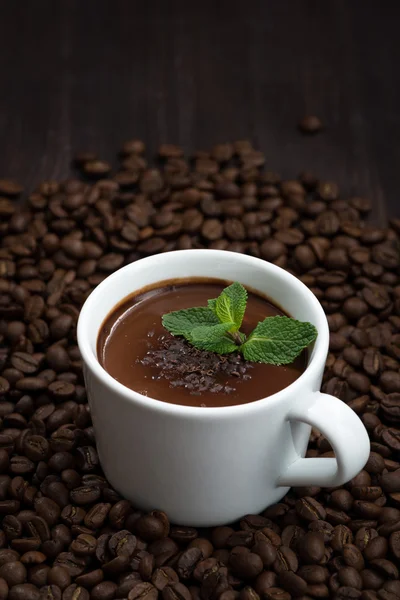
(223, 309)
(278, 340)
(231, 305)
(213, 338)
(212, 304)
(182, 322)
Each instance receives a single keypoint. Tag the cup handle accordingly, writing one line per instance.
(346, 434)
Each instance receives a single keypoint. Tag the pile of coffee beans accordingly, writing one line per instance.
(65, 533)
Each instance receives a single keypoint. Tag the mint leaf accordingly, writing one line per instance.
(278, 340)
(215, 327)
(182, 322)
(212, 304)
(224, 310)
(231, 305)
(213, 338)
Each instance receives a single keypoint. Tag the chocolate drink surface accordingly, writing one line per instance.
(135, 349)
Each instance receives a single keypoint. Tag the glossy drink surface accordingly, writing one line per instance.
(134, 328)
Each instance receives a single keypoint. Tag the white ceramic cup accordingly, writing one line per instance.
(209, 466)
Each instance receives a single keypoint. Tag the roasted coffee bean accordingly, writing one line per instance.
(59, 576)
(309, 509)
(311, 548)
(96, 516)
(85, 495)
(204, 545)
(50, 592)
(214, 583)
(89, 580)
(122, 543)
(33, 557)
(266, 551)
(73, 564)
(24, 591)
(244, 563)
(150, 528)
(292, 583)
(385, 567)
(376, 548)
(291, 536)
(240, 538)
(187, 562)
(310, 125)
(75, 592)
(146, 565)
(164, 576)
(84, 545)
(176, 591)
(394, 543)
(286, 560)
(36, 448)
(275, 593)
(353, 557)
(142, 591)
(13, 572)
(48, 510)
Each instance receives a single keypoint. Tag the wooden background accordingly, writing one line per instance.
(88, 74)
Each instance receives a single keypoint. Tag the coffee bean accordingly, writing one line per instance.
(286, 560)
(33, 557)
(385, 567)
(84, 545)
(244, 563)
(266, 551)
(163, 577)
(311, 510)
(150, 528)
(247, 593)
(50, 592)
(24, 591)
(353, 557)
(96, 516)
(59, 576)
(13, 572)
(349, 577)
(75, 592)
(292, 583)
(310, 125)
(187, 562)
(215, 582)
(394, 544)
(275, 593)
(391, 437)
(85, 495)
(142, 591)
(48, 510)
(122, 543)
(311, 548)
(89, 580)
(73, 564)
(24, 362)
(176, 591)
(36, 448)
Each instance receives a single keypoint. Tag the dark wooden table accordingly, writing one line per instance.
(88, 74)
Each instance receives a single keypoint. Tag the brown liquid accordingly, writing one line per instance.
(134, 328)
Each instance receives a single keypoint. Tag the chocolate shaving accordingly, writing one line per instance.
(197, 370)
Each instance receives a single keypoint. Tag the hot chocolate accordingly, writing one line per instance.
(135, 349)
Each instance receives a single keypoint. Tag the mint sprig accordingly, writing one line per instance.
(215, 327)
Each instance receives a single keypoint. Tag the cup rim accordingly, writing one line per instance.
(131, 396)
